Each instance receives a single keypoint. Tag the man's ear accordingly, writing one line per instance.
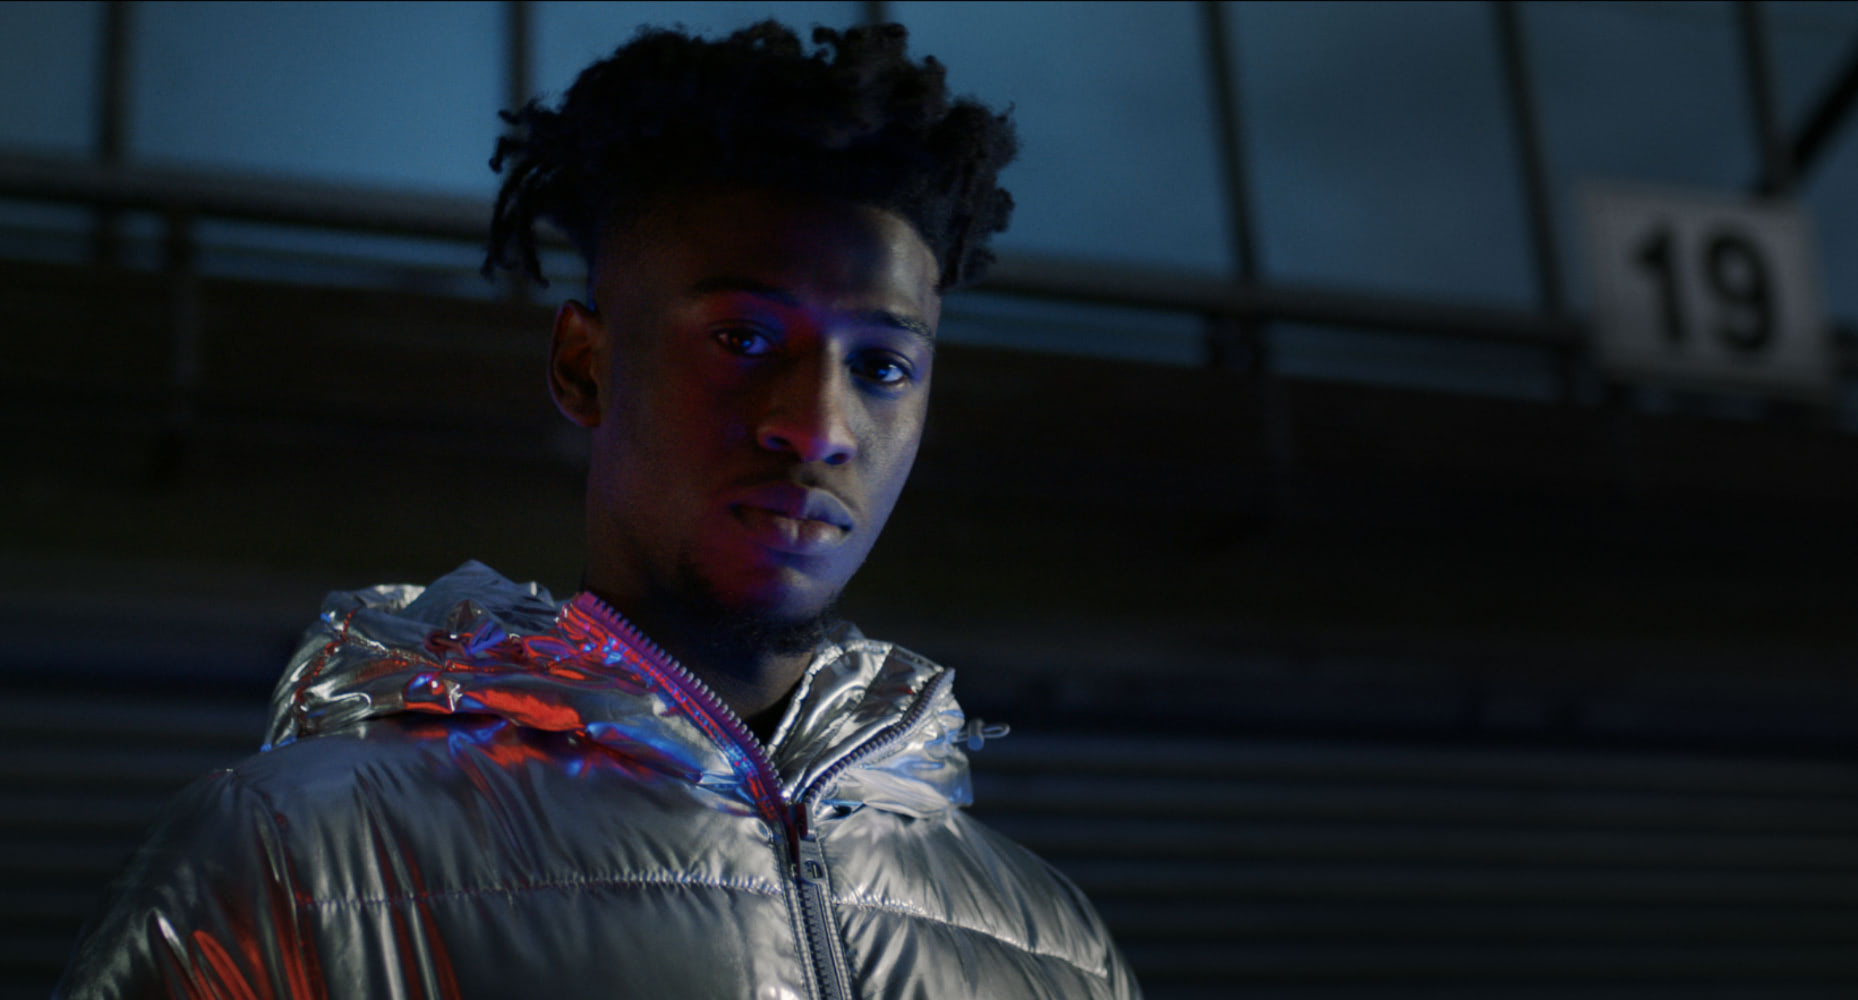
(577, 359)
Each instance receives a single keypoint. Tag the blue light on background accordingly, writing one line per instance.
(1380, 154)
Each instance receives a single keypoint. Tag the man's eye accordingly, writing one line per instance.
(883, 370)
(743, 340)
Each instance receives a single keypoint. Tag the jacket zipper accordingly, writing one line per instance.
(815, 897)
(810, 877)
(882, 741)
(829, 970)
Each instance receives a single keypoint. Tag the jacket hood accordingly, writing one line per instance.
(869, 724)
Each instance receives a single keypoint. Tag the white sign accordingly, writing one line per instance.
(1707, 290)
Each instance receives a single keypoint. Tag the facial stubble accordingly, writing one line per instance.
(744, 635)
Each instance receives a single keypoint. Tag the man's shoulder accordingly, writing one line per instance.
(428, 787)
(434, 779)
(329, 763)
(1016, 908)
(1025, 889)
(1024, 870)
(390, 770)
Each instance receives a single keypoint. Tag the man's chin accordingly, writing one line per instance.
(750, 627)
(778, 619)
(783, 636)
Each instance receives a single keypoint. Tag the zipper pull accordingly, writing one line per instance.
(977, 732)
(811, 864)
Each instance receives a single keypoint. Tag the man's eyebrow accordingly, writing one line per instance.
(762, 290)
(908, 324)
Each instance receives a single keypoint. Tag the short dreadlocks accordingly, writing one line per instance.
(855, 119)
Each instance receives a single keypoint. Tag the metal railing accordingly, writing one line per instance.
(1236, 315)
(185, 198)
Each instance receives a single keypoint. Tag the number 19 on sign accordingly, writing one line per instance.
(1706, 291)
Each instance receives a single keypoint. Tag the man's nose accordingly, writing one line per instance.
(808, 413)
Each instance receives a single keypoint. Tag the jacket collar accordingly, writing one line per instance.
(856, 731)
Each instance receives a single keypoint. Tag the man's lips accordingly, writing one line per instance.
(792, 518)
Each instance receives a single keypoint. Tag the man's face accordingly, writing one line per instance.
(756, 375)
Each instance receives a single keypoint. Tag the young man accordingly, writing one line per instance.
(689, 780)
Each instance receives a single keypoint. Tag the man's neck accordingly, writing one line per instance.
(742, 664)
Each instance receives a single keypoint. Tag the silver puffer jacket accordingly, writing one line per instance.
(471, 791)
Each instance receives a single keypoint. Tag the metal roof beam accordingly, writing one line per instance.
(1833, 109)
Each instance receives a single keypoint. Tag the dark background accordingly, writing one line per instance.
(1360, 636)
